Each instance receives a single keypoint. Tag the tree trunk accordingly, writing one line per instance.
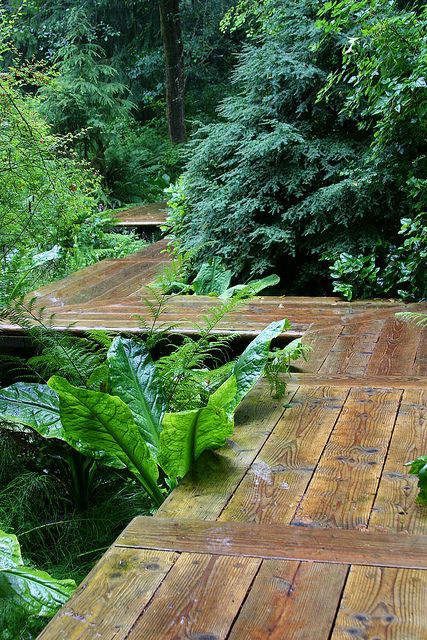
(170, 24)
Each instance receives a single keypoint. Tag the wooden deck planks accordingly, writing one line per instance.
(383, 604)
(144, 216)
(395, 507)
(305, 525)
(345, 482)
(111, 598)
(197, 579)
(276, 481)
(277, 542)
(285, 602)
(396, 349)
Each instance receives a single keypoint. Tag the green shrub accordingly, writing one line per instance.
(281, 178)
(139, 163)
(393, 269)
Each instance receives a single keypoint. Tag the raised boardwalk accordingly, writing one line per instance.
(305, 526)
(143, 217)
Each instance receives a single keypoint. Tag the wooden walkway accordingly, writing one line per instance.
(306, 526)
(109, 295)
(143, 217)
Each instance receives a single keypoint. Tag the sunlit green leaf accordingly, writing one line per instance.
(102, 426)
(33, 405)
(135, 379)
(187, 434)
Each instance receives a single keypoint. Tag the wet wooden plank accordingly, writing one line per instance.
(396, 349)
(356, 381)
(395, 506)
(192, 601)
(147, 215)
(108, 602)
(383, 604)
(205, 491)
(349, 354)
(420, 366)
(277, 479)
(276, 541)
(345, 482)
(291, 600)
(321, 341)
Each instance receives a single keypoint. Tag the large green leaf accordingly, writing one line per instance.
(10, 552)
(212, 278)
(187, 434)
(102, 426)
(135, 379)
(34, 590)
(33, 405)
(250, 365)
(252, 288)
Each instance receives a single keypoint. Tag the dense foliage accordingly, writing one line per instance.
(49, 203)
(320, 151)
(114, 424)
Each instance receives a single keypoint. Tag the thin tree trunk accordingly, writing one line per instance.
(170, 24)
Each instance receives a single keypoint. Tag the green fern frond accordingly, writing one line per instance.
(278, 365)
(100, 338)
(419, 319)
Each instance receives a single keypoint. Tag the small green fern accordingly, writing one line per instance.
(419, 319)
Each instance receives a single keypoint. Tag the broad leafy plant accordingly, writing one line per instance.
(418, 467)
(130, 423)
(33, 590)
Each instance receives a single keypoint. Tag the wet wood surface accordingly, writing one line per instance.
(276, 542)
(305, 525)
(144, 216)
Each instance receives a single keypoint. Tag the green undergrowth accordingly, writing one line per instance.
(36, 505)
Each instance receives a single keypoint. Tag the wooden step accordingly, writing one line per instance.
(276, 542)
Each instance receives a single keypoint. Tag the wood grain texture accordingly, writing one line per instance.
(383, 604)
(277, 479)
(291, 600)
(345, 481)
(395, 506)
(349, 354)
(420, 365)
(395, 350)
(111, 598)
(354, 381)
(147, 215)
(198, 600)
(281, 542)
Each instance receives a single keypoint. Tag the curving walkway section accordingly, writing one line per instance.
(306, 525)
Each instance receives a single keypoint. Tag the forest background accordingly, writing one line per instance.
(296, 140)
